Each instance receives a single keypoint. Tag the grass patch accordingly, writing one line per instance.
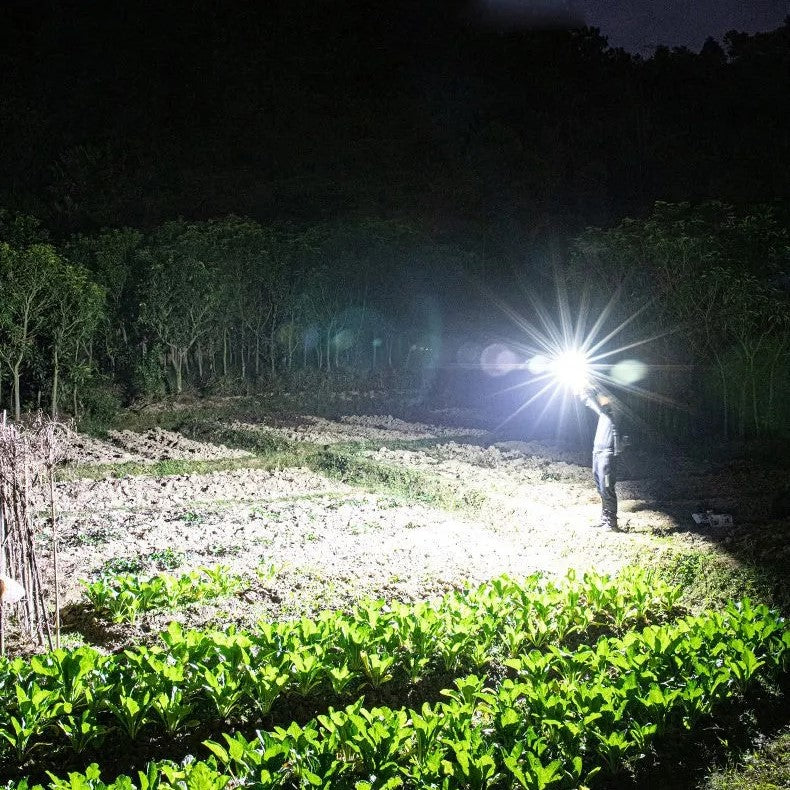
(709, 578)
(270, 451)
(344, 463)
(411, 445)
(768, 768)
(385, 478)
(167, 468)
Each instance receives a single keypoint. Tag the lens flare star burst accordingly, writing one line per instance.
(574, 349)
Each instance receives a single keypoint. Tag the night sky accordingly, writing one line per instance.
(639, 25)
(453, 111)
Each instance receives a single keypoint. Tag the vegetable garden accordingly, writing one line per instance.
(552, 679)
(551, 684)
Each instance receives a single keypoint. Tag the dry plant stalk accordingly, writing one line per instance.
(29, 452)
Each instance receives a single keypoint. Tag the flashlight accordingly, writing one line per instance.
(571, 369)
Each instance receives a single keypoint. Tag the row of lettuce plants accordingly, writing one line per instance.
(556, 720)
(69, 700)
(123, 597)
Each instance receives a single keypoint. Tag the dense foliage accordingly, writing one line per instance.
(712, 287)
(235, 306)
(123, 597)
(568, 681)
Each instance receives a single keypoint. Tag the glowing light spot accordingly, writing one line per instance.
(571, 369)
(629, 371)
(497, 359)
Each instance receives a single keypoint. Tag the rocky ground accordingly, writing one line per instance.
(303, 542)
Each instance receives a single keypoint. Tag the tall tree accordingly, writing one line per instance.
(76, 311)
(28, 283)
(708, 276)
(181, 293)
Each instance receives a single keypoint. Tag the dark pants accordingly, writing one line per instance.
(605, 473)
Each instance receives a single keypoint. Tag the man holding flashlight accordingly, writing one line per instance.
(605, 450)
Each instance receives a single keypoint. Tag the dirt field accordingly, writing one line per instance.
(303, 541)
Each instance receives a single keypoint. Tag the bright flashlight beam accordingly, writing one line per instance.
(568, 349)
(571, 369)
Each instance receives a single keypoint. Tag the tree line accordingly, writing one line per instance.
(303, 110)
(232, 305)
(222, 305)
(710, 287)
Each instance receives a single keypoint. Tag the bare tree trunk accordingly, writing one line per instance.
(724, 399)
(55, 569)
(772, 378)
(328, 347)
(272, 346)
(55, 371)
(176, 359)
(17, 401)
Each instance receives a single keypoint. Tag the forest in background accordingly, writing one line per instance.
(337, 195)
(232, 306)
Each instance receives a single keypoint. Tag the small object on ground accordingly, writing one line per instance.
(10, 591)
(711, 519)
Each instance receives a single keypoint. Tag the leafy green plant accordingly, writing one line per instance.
(599, 703)
(34, 708)
(264, 685)
(173, 709)
(120, 565)
(125, 597)
(82, 732)
(167, 558)
(131, 708)
(306, 668)
(224, 688)
(377, 668)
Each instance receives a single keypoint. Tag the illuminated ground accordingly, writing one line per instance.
(305, 542)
